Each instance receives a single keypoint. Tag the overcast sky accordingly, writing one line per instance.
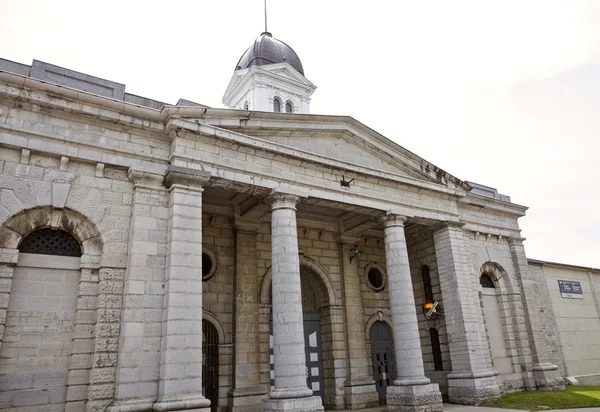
(503, 93)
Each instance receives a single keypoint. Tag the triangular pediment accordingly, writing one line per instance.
(344, 148)
(339, 142)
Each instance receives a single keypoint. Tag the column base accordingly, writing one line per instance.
(471, 390)
(308, 404)
(547, 377)
(414, 398)
(182, 402)
(361, 395)
(247, 399)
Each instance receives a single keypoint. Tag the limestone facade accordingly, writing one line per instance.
(234, 262)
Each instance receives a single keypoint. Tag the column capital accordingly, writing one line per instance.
(448, 224)
(141, 178)
(184, 176)
(391, 220)
(279, 200)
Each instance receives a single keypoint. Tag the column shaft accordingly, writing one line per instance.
(412, 390)
(139, 340)
(472, 380)
(291, 391)
(180, 381)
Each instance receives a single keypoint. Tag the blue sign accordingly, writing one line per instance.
(570, 289)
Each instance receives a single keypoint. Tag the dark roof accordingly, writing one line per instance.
(268, 50)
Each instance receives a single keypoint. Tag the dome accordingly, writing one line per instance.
(268, 50)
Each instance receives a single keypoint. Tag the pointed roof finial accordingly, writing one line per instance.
(266, 17)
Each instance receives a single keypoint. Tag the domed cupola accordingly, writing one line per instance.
(269, 77)
(268, 50)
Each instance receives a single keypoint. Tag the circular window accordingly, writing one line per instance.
(209, 264)
(375, 277)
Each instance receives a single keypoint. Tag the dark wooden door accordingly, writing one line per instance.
(313, 351)
(384, 364)
(314, 354)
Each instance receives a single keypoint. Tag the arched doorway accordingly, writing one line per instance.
(382, 352)
(315, 304)
(38, 337)
(210, 364)
(493, 322)
(313, 345)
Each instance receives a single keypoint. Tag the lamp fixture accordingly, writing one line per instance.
(432, 310)
(355, 253)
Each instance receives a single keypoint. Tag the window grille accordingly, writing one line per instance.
(425, 274)
(486, 281)
(436, 349)
(50, 242)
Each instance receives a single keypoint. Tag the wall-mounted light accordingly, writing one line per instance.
(432, 310)
(344, 182)
(355, 253)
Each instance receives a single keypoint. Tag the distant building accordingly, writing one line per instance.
(180, 257)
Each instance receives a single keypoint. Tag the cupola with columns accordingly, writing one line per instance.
(269, 77)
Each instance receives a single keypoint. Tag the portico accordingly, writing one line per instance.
(252, 260)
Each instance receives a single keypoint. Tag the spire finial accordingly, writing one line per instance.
(266, 17)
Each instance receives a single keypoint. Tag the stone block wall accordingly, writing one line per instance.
(421, 251)
(51, 190)
(217, 294)
(374, 302)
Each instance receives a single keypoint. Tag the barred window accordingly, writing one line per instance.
(427, 283)
(50, 242)
(436, 349)
(486, 281)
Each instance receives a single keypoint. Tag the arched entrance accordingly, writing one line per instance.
(38, 337)
(315, 312)
(210, 364)
(491, 313)
(313, 345)
(382, 352)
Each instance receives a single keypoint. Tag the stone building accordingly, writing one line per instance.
(180, 257)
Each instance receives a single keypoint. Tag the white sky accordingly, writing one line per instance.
(503, 93)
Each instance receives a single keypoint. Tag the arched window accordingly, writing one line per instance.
(288, 107)
(50, 242)
(436, 349)
(276, 105)
(427, 283)
(486, 281)
(246, 106)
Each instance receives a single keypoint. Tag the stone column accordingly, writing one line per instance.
(412, 390)
(247, 392)
(291, 392)
(541, 325)
(137, 370)
(473, 379)
(180, 382)
(359, 389)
